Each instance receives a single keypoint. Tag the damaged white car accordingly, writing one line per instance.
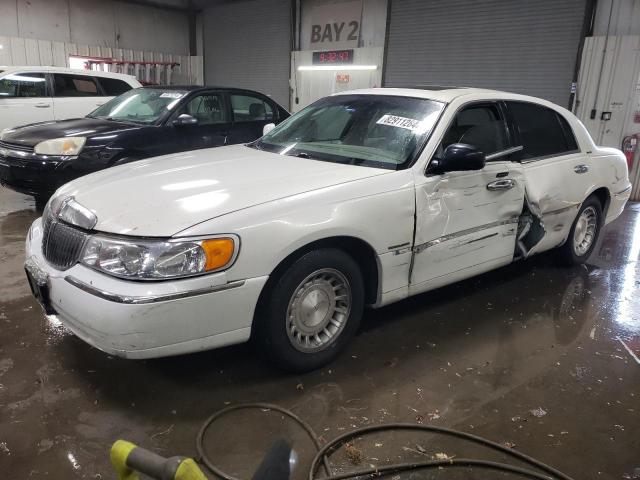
(363, 198)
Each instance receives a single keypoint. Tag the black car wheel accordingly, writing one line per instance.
(311, 311)
(584, 233)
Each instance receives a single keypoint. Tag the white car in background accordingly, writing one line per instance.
(363, 198)
(39, 94)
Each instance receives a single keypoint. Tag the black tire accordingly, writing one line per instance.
(566, 253)
(270, 330)
(41, 202)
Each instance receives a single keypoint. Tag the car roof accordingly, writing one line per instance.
(34, 68)
(445, 94)
(199, 88)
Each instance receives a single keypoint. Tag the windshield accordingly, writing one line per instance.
(141, 105)
(370, 130)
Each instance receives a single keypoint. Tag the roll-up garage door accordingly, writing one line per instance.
(520, 46)
(247, 45)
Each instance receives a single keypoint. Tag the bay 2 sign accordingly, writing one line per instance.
(333, 25)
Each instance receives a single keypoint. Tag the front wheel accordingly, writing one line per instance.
(41, 202)
(311, 311)
(584, 233)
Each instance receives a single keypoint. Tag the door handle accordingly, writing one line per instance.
(582, 168)
(503, 184)
(43, 105)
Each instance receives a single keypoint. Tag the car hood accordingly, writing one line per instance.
(162, 196)
(31, 135)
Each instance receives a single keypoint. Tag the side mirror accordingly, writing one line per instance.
(185, 119)
(458, 157)
(267, 128)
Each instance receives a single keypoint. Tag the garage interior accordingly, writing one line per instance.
(541, 359)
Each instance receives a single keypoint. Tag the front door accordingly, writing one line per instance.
(212, 127)
(24, 99)
(466, 222)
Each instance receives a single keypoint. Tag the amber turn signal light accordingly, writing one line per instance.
(218, 251)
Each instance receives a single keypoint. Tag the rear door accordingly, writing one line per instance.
(250, 113)
(75, 96)
(466, 222)
(212, 128)
(24, 98)
(557, 173)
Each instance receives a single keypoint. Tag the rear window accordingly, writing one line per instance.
(113, 87)
(74, 85)
(543, 132)
(247, 108)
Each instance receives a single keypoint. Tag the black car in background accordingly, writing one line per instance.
(141, 123)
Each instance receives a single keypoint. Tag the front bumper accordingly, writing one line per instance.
(32, 174)
(148, 319)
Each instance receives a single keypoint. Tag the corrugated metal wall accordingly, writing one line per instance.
(27, 51)
(247, 44)
(520, 46)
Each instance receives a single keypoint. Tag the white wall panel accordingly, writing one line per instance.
(92, 22)
(97, 22)
(26, 51)
(625, 17)
(46, 19)
(8, 18)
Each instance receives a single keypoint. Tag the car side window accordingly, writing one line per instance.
(66, 85)
(480, 126)
(112, 87)
(207, 108)
(543, 132)
(23, 85)
(249, 108)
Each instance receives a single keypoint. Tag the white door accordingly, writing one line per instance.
(557, 174)
(75, 96)
(24, 99)
(467, 221)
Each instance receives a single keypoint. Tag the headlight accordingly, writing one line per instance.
(61, 146)
(5, 132)
(158, 259)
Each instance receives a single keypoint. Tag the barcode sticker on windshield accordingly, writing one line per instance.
(400, 122)
(170, 95)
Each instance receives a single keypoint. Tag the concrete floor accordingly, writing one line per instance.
(529, 355)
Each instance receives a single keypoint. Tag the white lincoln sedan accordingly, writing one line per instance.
(363, 198)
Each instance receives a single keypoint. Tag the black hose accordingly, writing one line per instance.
(324, 451)
(202, 456)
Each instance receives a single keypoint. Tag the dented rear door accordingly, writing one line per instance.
(558, 175)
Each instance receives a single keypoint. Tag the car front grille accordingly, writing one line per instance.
(61, 244)
(16, 147)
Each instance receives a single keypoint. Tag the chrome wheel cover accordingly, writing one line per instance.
(318, 310)
(585, 232)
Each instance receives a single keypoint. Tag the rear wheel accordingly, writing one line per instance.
(311, 311)
(584, 233)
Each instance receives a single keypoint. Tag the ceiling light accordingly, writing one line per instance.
(337, 67)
